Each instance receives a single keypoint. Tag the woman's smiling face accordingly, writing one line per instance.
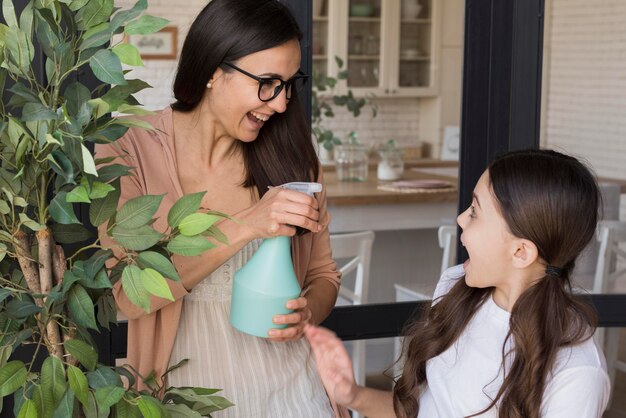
(233, 97)
(486, 238)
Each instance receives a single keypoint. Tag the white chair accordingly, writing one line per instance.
(447, 241)
(357, 249)
(610, 268)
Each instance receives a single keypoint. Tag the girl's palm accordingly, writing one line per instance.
(333, 364)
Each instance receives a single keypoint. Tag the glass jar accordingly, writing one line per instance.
(391, 165)
(351, 162)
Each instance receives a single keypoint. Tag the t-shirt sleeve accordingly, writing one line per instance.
(447, 280)
(581, 392)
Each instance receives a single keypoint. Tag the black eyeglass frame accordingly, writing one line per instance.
(277, 90)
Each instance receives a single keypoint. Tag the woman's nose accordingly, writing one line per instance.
(279, 103)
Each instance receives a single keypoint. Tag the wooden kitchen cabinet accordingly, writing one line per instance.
(385, 51)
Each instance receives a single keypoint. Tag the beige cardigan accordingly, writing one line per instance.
(152, 154)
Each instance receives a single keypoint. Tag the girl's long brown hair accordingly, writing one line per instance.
(552, 200)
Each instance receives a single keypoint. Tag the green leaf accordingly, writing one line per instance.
(196, 223)
(108, 396)
(94, 13)
(134, 289)
(20, 49)
(103, 376)
(62, 165)
(5, 293)
(96, 36)
(85, 354)
(125, 409)
(62, 211)
(128, 54)
(189, 246)
(146, 25)
(12, 376)
(158, 262)
(89, 165)
(37, 111)
(81, 307)
(138, 211)
(181, 411)
(185, 206)
(21, 309)
(75, 94)
(135, 110)
(149, 407)
(100, 190)
(66, 406)
(78, 195)
(78, 383)
(28, 410)
(96, 262)
(124, 16)
(107, 67)
(137, 239)
(112, 171)
(46, 35)
(155, 284)
(53, 380)
(102, 209)
(8, 11)
(136, 123)
(69, 234)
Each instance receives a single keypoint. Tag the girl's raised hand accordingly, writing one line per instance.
(333, 364)
(279, 212)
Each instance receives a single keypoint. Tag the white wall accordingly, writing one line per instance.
(584, 108)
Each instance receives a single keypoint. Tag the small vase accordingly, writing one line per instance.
(411, 9)
(326, 155)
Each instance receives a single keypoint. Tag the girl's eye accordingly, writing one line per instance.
(472, 212)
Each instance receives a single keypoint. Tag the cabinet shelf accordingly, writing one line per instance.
(353, 19)
(322, 19)
(416, 21)
(364, 57)
(420, 58)
(318, 57)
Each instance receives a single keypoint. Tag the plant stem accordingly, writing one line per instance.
(53, 341)
(27, 264)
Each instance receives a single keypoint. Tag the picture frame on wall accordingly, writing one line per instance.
(162, 45)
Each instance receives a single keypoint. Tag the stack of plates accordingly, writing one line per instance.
(417, 186)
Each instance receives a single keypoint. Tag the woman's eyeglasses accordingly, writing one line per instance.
(270, 87)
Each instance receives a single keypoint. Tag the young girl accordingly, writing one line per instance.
(505, 337)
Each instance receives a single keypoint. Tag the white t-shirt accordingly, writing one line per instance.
(463, 379)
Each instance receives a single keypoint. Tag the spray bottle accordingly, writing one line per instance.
(267, 281)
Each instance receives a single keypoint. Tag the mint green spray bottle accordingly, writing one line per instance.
(264, 284)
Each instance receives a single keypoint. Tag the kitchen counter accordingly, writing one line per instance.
(367, 193)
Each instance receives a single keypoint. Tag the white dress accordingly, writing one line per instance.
(262, 378)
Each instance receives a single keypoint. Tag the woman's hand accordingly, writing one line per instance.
(333, 364)
(296, 321)
(279, 212)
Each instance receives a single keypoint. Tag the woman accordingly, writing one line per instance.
(505, 336)
(235, 129)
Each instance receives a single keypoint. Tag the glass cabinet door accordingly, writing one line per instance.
(320, 44)
(364, 44)
(415, 61)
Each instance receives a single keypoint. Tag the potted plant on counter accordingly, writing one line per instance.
(323, 104)
(48, 299)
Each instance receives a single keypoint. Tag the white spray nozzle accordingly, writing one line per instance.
(304, 187)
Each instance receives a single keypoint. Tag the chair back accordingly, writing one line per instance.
(357, 248)
(447, 241)
(611, 258)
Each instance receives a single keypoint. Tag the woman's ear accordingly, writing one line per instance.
(525, 253)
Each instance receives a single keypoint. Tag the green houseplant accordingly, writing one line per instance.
(49, 299)
(324, 101)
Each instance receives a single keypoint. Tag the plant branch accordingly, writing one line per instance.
(27, 264)
(44, 238)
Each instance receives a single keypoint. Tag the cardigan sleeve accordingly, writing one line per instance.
(125, 152)
(321, 265)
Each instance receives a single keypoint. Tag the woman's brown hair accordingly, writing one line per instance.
(225, 31)
(552, 200)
